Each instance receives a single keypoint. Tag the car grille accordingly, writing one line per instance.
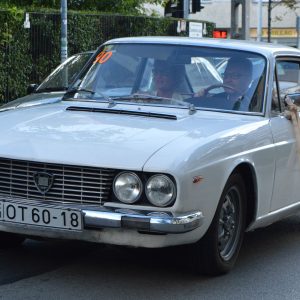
(71, 183)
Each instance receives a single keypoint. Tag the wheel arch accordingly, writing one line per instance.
(247, 172)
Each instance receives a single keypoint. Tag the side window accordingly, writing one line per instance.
(286, 81)
(288, 74)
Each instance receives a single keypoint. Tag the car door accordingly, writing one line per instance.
(286, 189)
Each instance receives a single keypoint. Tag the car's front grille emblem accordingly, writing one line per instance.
(43, 181)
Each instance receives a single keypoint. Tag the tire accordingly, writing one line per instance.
(10, 240)
(216, 253)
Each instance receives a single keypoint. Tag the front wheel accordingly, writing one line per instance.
(217, 251)
(10, 240)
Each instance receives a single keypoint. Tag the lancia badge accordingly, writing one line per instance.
(43, 181)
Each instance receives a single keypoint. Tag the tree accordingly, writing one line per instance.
(291, 4)
(117, 6)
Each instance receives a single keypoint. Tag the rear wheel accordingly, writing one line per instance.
(10, 240)
(217, 251)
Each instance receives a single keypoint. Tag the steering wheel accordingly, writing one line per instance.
(220, 85)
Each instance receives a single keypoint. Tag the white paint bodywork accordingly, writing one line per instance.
(210, 144)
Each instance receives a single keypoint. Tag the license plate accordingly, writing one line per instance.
(40, 216)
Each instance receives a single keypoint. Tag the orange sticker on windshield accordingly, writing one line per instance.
(103, 57)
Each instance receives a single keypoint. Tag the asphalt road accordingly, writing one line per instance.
(268, 268)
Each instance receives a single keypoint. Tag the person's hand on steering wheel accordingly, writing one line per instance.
(204, 92)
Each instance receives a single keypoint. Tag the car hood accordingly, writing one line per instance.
(34, 99)
(53, 133)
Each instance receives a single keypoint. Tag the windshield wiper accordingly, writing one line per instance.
(142, 97)
(76, 90)
(149, 97)
(139, 96)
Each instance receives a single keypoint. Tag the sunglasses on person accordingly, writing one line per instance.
(233, 75)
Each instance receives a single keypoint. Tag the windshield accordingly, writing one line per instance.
(62, 77)
(178, 75)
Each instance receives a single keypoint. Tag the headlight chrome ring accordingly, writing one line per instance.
(128, 187)
(160, 190)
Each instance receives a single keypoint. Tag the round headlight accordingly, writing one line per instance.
(127, 187)
(160, 190)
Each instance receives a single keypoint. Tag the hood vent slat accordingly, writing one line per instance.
(123, 112)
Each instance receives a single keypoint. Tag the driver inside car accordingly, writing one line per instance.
(237, 80)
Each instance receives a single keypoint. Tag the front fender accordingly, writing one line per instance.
(213, 163)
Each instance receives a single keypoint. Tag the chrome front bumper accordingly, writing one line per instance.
(160, 222)
(95, 217)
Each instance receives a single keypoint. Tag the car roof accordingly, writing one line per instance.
(267, 49)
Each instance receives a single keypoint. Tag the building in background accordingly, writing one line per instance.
(283, 20)
(219, 12)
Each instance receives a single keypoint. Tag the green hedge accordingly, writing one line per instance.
(15, 58)
(29, 55)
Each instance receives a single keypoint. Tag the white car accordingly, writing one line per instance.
(114, 162)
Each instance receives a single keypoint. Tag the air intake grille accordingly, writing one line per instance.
(71, 183)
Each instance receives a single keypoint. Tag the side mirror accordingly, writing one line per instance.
(296, 99)
(31, 88)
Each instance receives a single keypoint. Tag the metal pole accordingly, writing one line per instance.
(245, 20)
(64, 31)
(234, 30)
(186, 6)
(269, 20)
(298, 31)
(259, 20)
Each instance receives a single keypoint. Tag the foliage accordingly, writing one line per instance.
(14, 54)
(291, 4)
(134, 7)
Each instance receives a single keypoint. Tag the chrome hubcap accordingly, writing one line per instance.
(229, 224)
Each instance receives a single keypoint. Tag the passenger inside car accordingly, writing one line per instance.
(166, 78)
